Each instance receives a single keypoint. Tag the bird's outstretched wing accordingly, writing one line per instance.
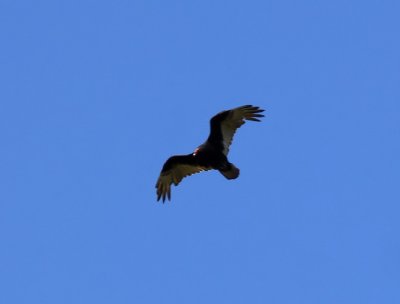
(174, 170)
(224, 124)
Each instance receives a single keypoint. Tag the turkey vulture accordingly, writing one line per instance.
(210, 155)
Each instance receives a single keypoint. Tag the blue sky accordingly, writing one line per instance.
(96, 95)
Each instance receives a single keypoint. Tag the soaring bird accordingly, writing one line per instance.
(212, 154)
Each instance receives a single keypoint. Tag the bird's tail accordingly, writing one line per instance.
(231, 172)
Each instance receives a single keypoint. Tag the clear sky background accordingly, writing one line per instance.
(96, 95)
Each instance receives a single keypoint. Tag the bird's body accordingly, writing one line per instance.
(212, 154)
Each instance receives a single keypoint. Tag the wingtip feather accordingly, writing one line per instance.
(253, 119)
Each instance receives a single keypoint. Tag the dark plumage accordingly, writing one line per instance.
(212, 154)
